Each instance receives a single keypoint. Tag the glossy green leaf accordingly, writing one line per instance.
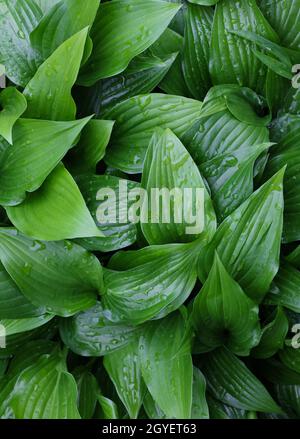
(137, 118)
(91, 147)
(151, 408)
(151, 282)
(123, 368)
(219, 410)
(109, 409)
(232, 61)
(197, 36)
(96, 332)
(62, 20)
(224, 315)
(248, 240)
(118, 232)
(291, 358)
(122, 30)
(88, 391)
(289, 397)
(199, 404)
(17, 20)
(168, 165)
(13, 106)
(49, 92)
(38, 146)
(273, 336)
(55, 211)
(61, 276)
(276, 372)
(204, 2)
(230, 381)
(167, 367)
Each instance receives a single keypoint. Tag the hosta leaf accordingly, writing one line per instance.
(289, 398)
(204, 2)
(168, 43)
(96, 332)
(123, 368)
(63, 20)
(49, 92)
(137, 118)
(122, 30)
(55, 211)
(142, 75)
(45, 390)
(168, 165)
(17, 19)
(224, 315)
(291, 358)
(61, 276)
(150, 282)
(287, 153)
(284, 16)
(167, 368)
(230, 381)
(109, 409)
(92, 146)
(13, 106)
(88, 391)
(38, 146)
(151, 408)
(45, 5)
(273, 336)
(285, 290)
(219, 410)
(199, 404)
(196, 49)
(118, 232)
(294, 257)
(277, 373)
(232, 61)
(13, 305)
(248, 240)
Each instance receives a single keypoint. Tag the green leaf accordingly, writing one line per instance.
(62, 20)
(294, 257)
(199, 404)
(168, 165)
(96, 332)
(88, 390)
(55, 211)
(38, 146)
(248, 240)
(232, 60)
(273, 336)
(224, 315)
(284, 18)
(13, 106)
(45, 5)
(151, 282)
(230, 381)
(204, 2)
(285, 290)
(289, 396)
(286, 153)
(219, 410)
(49, 92)
(17, 20)
(151, 408)
(118, 232)
(197, 36)
(109, 409)
(122, 30)
(13, 305)
(45, 390)
(136, 120)
(291, 358)
(123, 368)
(276, 372)
(167, 367)
(61, 276)
(91, 146)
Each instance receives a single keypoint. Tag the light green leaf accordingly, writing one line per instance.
(167, 367)
(137, 118)
(186, 215)
(13, 106)
(123, 368)
(109, 409)
(61, 276)
(55, 211)
(273, 336)
(231, 382)
(45, 5)
(49, 92)
(199, 404)
(38, 146)
(204, 2)
(122, 30)
(248, 240)
(224, 315)
(96, 332)
(197, 36)
(151, 282)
